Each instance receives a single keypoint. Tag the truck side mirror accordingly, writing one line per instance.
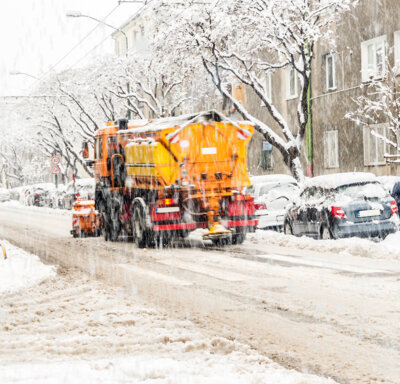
(85, 150)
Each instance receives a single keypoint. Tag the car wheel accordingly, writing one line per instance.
(287, 228)
(325, 233)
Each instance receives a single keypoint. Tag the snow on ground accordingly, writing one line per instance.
(386, 249)
(17, 204)
(21, 270)
(70, 329)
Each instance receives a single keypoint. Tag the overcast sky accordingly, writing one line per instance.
(36, 34)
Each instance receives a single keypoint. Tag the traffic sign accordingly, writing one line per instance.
(55, 169)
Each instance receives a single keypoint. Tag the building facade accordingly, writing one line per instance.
(342, 69)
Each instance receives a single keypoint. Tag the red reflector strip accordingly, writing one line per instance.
(174, 227)
(239, 223)
(395, 208)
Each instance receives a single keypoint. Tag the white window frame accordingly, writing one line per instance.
(369, 140)
(396, 49)
(267, 87)
(331, 138)
(369, 70)
(289, 94)
(334, 85)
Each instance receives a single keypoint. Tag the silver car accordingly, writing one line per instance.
(272, 193)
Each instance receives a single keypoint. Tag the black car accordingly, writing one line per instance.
(342, 205)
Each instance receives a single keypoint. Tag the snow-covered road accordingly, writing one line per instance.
(330, 313)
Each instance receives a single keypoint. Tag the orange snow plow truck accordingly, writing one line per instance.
(160, 179)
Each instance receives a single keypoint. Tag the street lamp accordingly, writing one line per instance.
(14, 73)
(79, 14)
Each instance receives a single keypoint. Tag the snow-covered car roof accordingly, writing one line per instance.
(85, 182)
(46, 186)
(336, 180)
(277, 178)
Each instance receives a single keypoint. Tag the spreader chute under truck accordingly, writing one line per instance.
(160, 179)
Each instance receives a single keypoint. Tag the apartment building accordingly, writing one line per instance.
(341, 70)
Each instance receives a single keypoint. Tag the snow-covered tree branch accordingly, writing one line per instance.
(245, 40)
(380, 103)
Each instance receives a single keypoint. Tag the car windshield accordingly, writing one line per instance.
(281, 189)
(371, 190)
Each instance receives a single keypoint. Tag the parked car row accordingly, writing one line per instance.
(329, 206)
(47, 195)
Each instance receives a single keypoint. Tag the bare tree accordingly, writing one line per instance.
(380, 103)
(245, 40)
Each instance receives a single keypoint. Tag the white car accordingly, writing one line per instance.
(4, 195)
(272, 193)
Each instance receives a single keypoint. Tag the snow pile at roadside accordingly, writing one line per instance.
(21, 269)
(216, 369)
(386, 249)
(17, 204)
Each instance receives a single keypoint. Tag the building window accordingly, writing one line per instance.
(330, 67)
(134, 38)
(291, 83)
(373, 58)
(122, 45)
(374, 147)
(331, 149)
(267, 160)
(397, 51)
(267, 88)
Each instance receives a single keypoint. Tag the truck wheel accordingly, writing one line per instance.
(115, 226)
(139, 227)
(238, 238)
(220, 242)
(104, 221)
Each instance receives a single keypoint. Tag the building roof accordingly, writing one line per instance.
(136, 15)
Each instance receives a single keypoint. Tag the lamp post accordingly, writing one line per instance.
(15, 73)
(79, 14)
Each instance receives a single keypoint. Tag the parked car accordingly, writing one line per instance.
(40, 193)
(389, 182)
(82, 188)
(54, 199)
(25, 195)
(15, 193)
(342, 205)
(4, 194)
(272, 193)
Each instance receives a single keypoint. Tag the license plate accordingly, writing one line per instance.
(167, 210)
(369, 213)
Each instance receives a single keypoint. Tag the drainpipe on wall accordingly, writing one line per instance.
(309, 138)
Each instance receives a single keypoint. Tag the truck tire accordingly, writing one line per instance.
(238, 238)
(139, 227)
(114, 224)
(104, 221)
